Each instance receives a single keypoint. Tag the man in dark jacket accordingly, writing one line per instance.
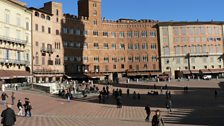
(8, 116)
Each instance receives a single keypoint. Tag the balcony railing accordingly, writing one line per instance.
(47, 50)
(13, 40)
(14, 61)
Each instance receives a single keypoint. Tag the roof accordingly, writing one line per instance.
(176, 23)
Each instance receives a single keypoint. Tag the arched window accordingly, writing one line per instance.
(57, 12)
(48, 18)
(37, 14)
(57, 32)
(43, 16)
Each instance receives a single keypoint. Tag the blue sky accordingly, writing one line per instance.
(163, 10)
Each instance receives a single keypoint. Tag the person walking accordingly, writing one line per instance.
(148, 112)
(8, 116)
(13, 98)
(157, 119)
(20, 107)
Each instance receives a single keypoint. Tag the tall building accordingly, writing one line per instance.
(100, 48)
(15, 42)
(48, 51)
(191, 48)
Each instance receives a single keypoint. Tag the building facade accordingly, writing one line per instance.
(15, 42)
(100, 48)
(48, 52)
(191, 49)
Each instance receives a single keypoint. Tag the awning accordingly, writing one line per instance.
(217, 70)
(194, 71)
(186, 71)
(10, 74)
(205, 71)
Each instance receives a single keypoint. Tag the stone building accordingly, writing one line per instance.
(15, 42)
(48, 51)
(100, 48)
(191, 49)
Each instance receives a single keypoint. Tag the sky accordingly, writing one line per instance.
(162, 10)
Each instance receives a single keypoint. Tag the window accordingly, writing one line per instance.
(48, 18)
(198, 39)
(85, 32)
(211, 49)
(36, 59)
(94, 13)
(183, 31)
(78, 32)
(106, 59)
(57, 12)
(185, 50)
(154, 58)
(37, 14)
(94, 4)
(65, 30)
(176, 30)
(130, 47)
(105, 46)
(122, 59)
(85, 59)
(105, 34)
(114, 59)
(177, 60)
(202, 30)
(42, 29)
(7, 16)
(165, 40)
(113, 46)
(192, 49)
(96, 59)
(130, 58)
(95, 22)
(43, 60)
(204, 50)
(144, 46)
(218, 49)
(96, 46)
(145, 66)
(18, 19)
(106, 68)
(7, 54)
(114, 67)
(122, 66)
(27, 25)
(129, 34)
(137, 67)
(42, 16)
(136, 46)
(113, 34)
(137, 58)
(144, 34)
(122, 35)
(122, 46)
(198, 49)
(145, 58)
(49, 30)
(191, 39)
(136, 34)
(36, 44)
(166, 50)
(177, 50)
(210, 30)
(95, 33)
(130, 66)
(184, 39)
(165, 31)
(192, 59)
(153, 34)
(36, 27)
(85, 45)
(176, 39)
(191, 31)
(57, 32)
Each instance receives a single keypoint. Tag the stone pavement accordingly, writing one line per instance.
(198, 107)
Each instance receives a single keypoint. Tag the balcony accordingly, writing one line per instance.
(12, 40)
(14, 61)
(47, 50)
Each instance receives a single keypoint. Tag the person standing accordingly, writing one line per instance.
(20, 107)
(148, 111)
(4, 98)
(13, 98)
(128, 92)
(157, 119)
(8, 116)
